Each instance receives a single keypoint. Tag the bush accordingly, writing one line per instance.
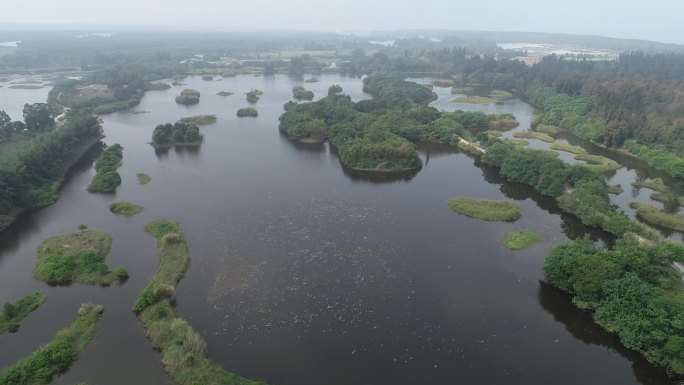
(247, 112)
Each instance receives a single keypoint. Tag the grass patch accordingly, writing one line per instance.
(500, 95)
(462, 90)
(666, 198)
(200, 120)
(225, 93)
(598, 163)
(474, 100)
(486, 209)
(144, 178)
(125, 208)
(656, 184)
(247, 112)
(615, 189)
(567, 147)
(518, 240)
(548, 129)
(182, 349)
(77, 257)
(59, 354)
(517, 142)
(534, 135)
(14, 313)
(494, 134)
(107, 179)
(653, 215)
(443, 83)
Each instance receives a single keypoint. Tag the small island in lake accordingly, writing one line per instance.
(125, 208)
(486, 209)
(247, 112)
(13, 313)
(176, 135)
(518, 240)
(200, 120)
(254, 95)
(299, 93)
(107, 179)
(188, 97)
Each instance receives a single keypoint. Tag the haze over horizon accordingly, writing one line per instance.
(631, 19)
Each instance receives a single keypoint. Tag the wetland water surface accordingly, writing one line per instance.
(304, 273)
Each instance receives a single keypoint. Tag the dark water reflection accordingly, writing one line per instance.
(306, 273)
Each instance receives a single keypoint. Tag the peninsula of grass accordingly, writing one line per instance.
(247, 112)
(547, 129)
(200, 120)
(655, 216)
(486, 209)
(125, 208)
(615, 189)
(59, 354)
(534, 135)
(107, 179)
(598, 163)
(518, 240)
(656, 184)
(567, 147)
(144, 178)
(517, 142)
(666, 198)
(500, 95)
(183, 351)
(13, 313)
(474, 100)
(225, 93)
(77, 257)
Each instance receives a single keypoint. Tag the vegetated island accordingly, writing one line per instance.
(59, 354)
(225, 93)
(77, 257)
(178, 134)
(107, 179)
(182, 349)
(299, 93)
(14, 313)
(247, 112)
(518, 240)
(143, 178)
(188, 97)
(200, 120)
(254, 95)
(486, 209)
(125, 208)
(652, 214)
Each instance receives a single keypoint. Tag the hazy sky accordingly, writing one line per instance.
(659, 20)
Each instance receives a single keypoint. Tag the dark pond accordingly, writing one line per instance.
(305, 273)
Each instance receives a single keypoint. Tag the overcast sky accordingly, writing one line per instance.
(660, 20)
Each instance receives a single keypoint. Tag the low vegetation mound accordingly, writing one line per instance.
(200, 120)
(534, 135)
(654, 215)
(253, 96)
(518, 240)
(486, 209)
(188, 97)
(143, 178)
(77, 257)
(13, 313)
(59, 354)
(598, 163)
(125, 208)
(225, 93)
(247, 112)
(299, 93)
(107, 179)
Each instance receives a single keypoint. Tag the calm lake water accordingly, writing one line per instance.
(305, 273)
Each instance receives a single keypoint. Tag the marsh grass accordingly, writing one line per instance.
(144, 178)
(653, 215)
(486, 209)
(562, 146)
(598, 163)
(200, 120)
(548, 129)
(667, 198)
(59, 354)
(13, 313)
(518, 240)
(615, 189)
(655, 184)
(534, 135)
(474, 100)
(183, 351)
(77, 257)
(125, 208)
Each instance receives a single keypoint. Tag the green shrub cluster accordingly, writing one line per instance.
(658, 159)
(633, 291)
(59, 354)
(299, 93)
(107, 179)
(247, 112)
(178, 134)
(14, 313)
(253, 96)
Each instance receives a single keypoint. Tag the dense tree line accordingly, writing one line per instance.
(107, 179)
(176, 134)
(27, 173)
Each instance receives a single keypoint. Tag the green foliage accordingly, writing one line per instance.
(187, 100)
(183, 351)
(658, 159)
(534, 135)
(107, 179)
(13, 313)
(224, 93)
(37, 118)
(518, 240)
(486, 209)
(299, 93)
(253, 96)
(125, 208)
(59, 354)
(178, 134)
(652, 214)
(143, 178)
(633, 290)
(247, 112)
(108, 108)
(76, 257)
(200, 120)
